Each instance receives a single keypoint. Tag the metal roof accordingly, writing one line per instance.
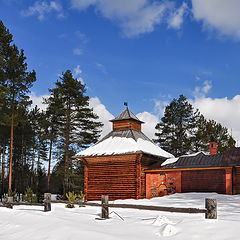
(127, 133)
(230, 158)
(125, 115)
(125, 142)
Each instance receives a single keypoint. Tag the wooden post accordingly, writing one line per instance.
(9, 202)
(47, 202)
(211, 206)
(105, 210)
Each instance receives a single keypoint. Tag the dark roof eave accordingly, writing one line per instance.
(119, 120)
(114, 154)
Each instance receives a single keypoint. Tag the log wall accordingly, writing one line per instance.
(126, 124)
(115, 176)
(119, 176)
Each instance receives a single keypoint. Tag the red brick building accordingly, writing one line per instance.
(199, 172)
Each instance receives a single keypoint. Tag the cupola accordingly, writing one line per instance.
(126, 120)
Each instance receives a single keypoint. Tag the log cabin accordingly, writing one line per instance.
(115, 165)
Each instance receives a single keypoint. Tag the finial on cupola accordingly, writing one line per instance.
(126, 104)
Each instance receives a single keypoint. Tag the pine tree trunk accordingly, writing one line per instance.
(3, 169)
(49, 164)
(32, 168)
(66, 159)
(38, 162)
(66, 163)
(10, 155)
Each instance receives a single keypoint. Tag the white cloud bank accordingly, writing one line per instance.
(136, 16)
(103, 113)
(220, 15)
(223, 110)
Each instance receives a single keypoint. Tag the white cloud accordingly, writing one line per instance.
(176, 18)
(220, 15)
(77, 51)
(103, 113)
(200, 92)
(223, 110)
(42, 8)
(77, 71)
(159, 107)
(136, 16)
(148, 128)
(38, 100)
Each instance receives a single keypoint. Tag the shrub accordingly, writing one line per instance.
(29, 196)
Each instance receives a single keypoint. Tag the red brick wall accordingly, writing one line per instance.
(211, 180)
(162, 183)
(201, 180)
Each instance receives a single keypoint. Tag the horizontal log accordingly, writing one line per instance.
(110, 163)
(130, 181)
(23, 203)
(154, 208)
(27, 204)
(115, 191)
(112, 174)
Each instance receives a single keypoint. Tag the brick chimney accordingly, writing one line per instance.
(213, 146)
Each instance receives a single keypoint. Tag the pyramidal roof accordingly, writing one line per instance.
(126, 115)
(124, 141)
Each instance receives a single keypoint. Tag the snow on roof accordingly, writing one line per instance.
(114, 145)
(169, 161)
(173, 160)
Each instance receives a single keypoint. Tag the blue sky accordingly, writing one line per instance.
(141, 51)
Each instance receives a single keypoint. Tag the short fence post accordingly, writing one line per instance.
(105, 210)
(47, 202)
(211, 206)
(9, 203)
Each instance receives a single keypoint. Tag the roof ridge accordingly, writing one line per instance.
(133, 136)
(126, 114)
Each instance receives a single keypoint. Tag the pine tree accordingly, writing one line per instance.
(52, 124)
(184, 130)
(209, 129)
(175, 127)
(77, 125)
(16, 81)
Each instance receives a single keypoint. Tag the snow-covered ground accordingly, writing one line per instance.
(31, 223)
